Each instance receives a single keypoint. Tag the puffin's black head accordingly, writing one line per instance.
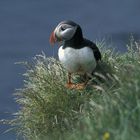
(66, 31)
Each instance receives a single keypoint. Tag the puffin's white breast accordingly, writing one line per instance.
(77, 60)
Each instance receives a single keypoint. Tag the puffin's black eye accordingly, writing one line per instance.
(62, 28)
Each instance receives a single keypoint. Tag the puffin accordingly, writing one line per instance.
(77, 54)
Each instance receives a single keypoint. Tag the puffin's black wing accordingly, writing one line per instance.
(95, 49)
(96, 52)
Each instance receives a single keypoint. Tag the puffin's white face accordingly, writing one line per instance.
(62, 32)
(65, 31)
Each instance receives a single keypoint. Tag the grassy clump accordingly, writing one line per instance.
(109, 109)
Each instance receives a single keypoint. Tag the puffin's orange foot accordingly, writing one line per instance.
(80, 86)
(75, 86)
(70, 85)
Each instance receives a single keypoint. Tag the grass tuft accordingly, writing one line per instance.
(108, 109)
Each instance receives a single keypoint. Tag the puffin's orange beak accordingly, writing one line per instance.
(52, 38)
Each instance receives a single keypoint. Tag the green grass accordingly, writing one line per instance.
(108, 109)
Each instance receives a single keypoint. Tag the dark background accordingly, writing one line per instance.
(25, 26)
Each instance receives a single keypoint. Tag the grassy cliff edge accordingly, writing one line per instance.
(109, 109)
